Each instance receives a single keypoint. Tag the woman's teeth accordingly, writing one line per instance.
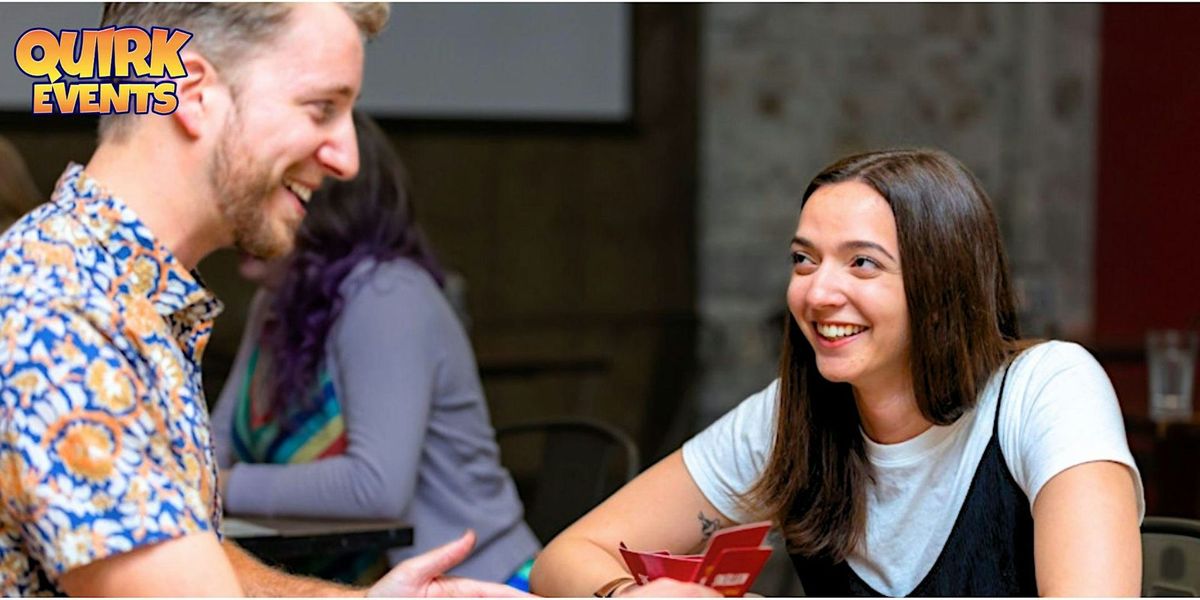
(839, 331)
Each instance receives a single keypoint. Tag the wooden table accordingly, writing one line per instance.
(282, 539)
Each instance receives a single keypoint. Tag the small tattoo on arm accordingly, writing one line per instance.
(707, 526)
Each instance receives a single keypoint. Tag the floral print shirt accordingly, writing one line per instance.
(104, 434)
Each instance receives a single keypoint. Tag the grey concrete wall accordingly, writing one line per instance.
(1010, 89)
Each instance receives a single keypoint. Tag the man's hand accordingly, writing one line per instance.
(665, 587)
(421, 576)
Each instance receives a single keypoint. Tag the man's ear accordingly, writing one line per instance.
(203, 95)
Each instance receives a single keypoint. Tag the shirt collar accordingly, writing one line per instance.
(151, 269)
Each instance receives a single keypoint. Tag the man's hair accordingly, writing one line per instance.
(222, 32)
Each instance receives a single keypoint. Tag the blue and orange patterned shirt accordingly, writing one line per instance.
(104, 434)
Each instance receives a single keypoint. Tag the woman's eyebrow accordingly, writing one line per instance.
(844, 246)
(865, 245)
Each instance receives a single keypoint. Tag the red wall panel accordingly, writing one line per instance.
(1147, 255)
(1148, 206)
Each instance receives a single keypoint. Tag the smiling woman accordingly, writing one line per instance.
(913, 444)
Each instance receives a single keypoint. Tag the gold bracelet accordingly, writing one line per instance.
(607, 590)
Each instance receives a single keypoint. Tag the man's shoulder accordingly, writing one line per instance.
(45, 259)
(48, 281)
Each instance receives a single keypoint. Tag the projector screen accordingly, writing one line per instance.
(526, 62)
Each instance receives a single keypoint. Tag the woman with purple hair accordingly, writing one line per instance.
(355, 393)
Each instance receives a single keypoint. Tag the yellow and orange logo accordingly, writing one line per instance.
(113, 70)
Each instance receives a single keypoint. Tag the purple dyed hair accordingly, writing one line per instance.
(370, 217)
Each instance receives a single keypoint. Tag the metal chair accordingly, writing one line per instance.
(1170, 557)
(564, 467)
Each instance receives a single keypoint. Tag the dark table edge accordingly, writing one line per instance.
(282, 547)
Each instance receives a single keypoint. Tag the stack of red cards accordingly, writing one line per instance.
(729, 565)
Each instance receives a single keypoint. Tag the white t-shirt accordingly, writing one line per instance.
(1059, 410)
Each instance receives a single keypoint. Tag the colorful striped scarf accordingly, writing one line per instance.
(313, 434)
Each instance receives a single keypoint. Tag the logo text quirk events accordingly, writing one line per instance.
(111, 70)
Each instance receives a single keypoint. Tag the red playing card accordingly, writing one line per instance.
(735, 571)
(648, 566)
(730, 564)
(750, 535)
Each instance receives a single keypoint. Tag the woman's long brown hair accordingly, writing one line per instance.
(963, 328)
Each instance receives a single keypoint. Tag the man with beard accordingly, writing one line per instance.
(107, 481)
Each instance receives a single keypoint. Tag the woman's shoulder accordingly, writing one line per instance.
(1060, 410)
(395, 286)
(1052, 357)
(1053, 376)
(389, 277)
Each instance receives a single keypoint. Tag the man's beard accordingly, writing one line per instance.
(244, 188)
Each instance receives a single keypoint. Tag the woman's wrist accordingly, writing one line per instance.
(624, 588)
(614, 587)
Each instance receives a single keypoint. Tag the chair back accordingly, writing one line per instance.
(564, 467)
(1170, 557)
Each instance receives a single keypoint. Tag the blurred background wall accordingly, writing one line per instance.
(634, 270)
(1010, 89)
